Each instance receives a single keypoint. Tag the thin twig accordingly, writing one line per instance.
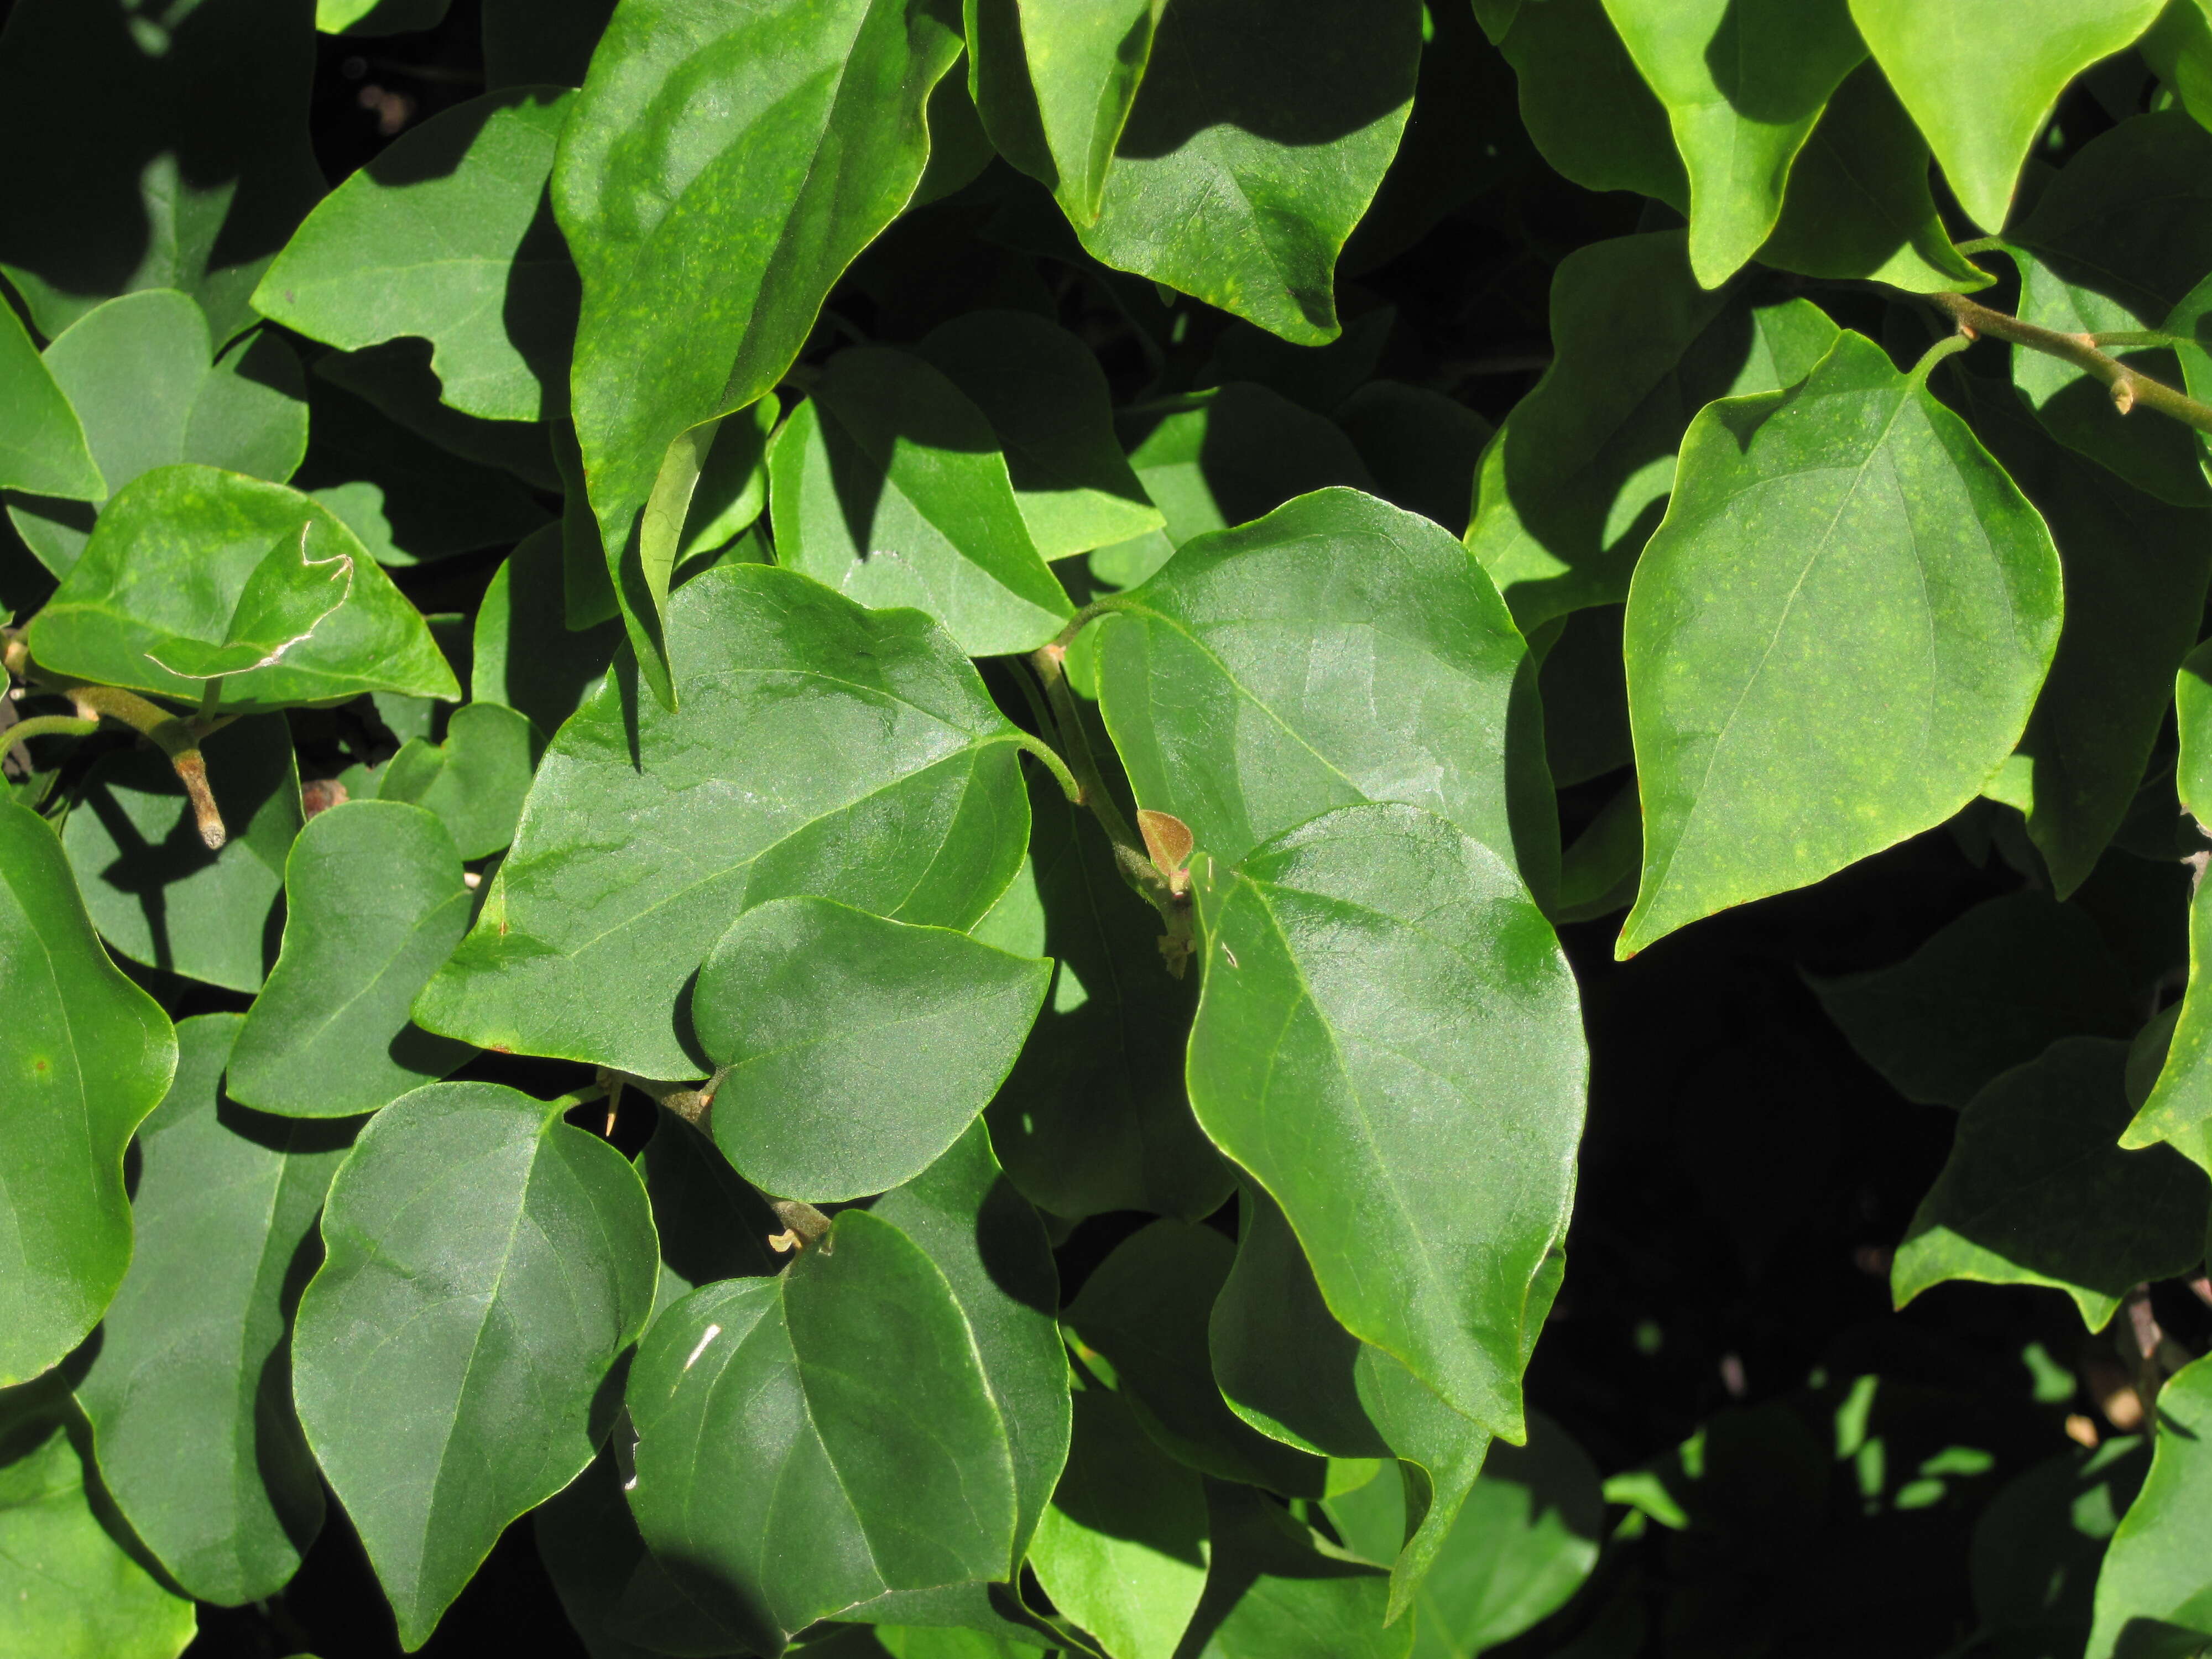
(2127, 386)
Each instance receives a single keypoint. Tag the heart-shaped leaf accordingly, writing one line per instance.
(142, 374)
(889, 486)
(771, 142)
(88, 1055)
(475, 780)
(374, 904)
(1389, 1040)
(1339, 650)
(1909, 629)
(809, 1442)
(853, 1050)
(189, 1392)
(185, 559)
(485, 1264)
(448, 234)
(842, 752)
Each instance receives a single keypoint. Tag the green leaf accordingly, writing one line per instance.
(770, 143)
(525, 656)
(189, 1391)
(712, 1226)
(154, 891)
(369, 18)
(2154, 1595)
(1273, 1594)
(286, 597)
(71, 1588)
(1598, 871)
(1049, 406)
(1220, 457)
(1333, 1059)
(396, 378)
(987, 1241)
(809, 1443)
(2135, 571)
(1981, 96)
(165, 151)
(1290, 1370)
(854, 756)
(485, 1264)
(143, 375)
(1575, 481)
(1988, 992)
(1123, 1549)
(1585, 698)
(2039, 1543)
(1585, 104)
(1858, 204)
(448, 234)
(1365, 657)
(853, 1050)
(374, 904)
(2179, 49)
(889, 486)
(2036, 1192)
(2180, 1101)
(409, 501)
(89, 1055)
(1258, 137)
(1422, 447)
(734, 482)
(475, 780)
(1914, 566)
(1523, 1544)
(1094, 1116)
(1055, 84)
(173, 566)
(42, 442)
(1145, 1310)
(1743, 82)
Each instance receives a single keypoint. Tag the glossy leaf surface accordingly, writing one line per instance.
(2036, 1192)
(1915, 563)
(1249, 155)
(1382, 999)
(485, 1264)
(1054, 84)
(189, 1392)
(1586, 105)
(374, 904)
(1339, 650)
(889, 487)
(897, 791)
(447, 235)
(853, 1050)
(170, 574)
(810, 1442)
(1272, 1593)
(89, 1055)
(768, 143)
(1981, 108)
